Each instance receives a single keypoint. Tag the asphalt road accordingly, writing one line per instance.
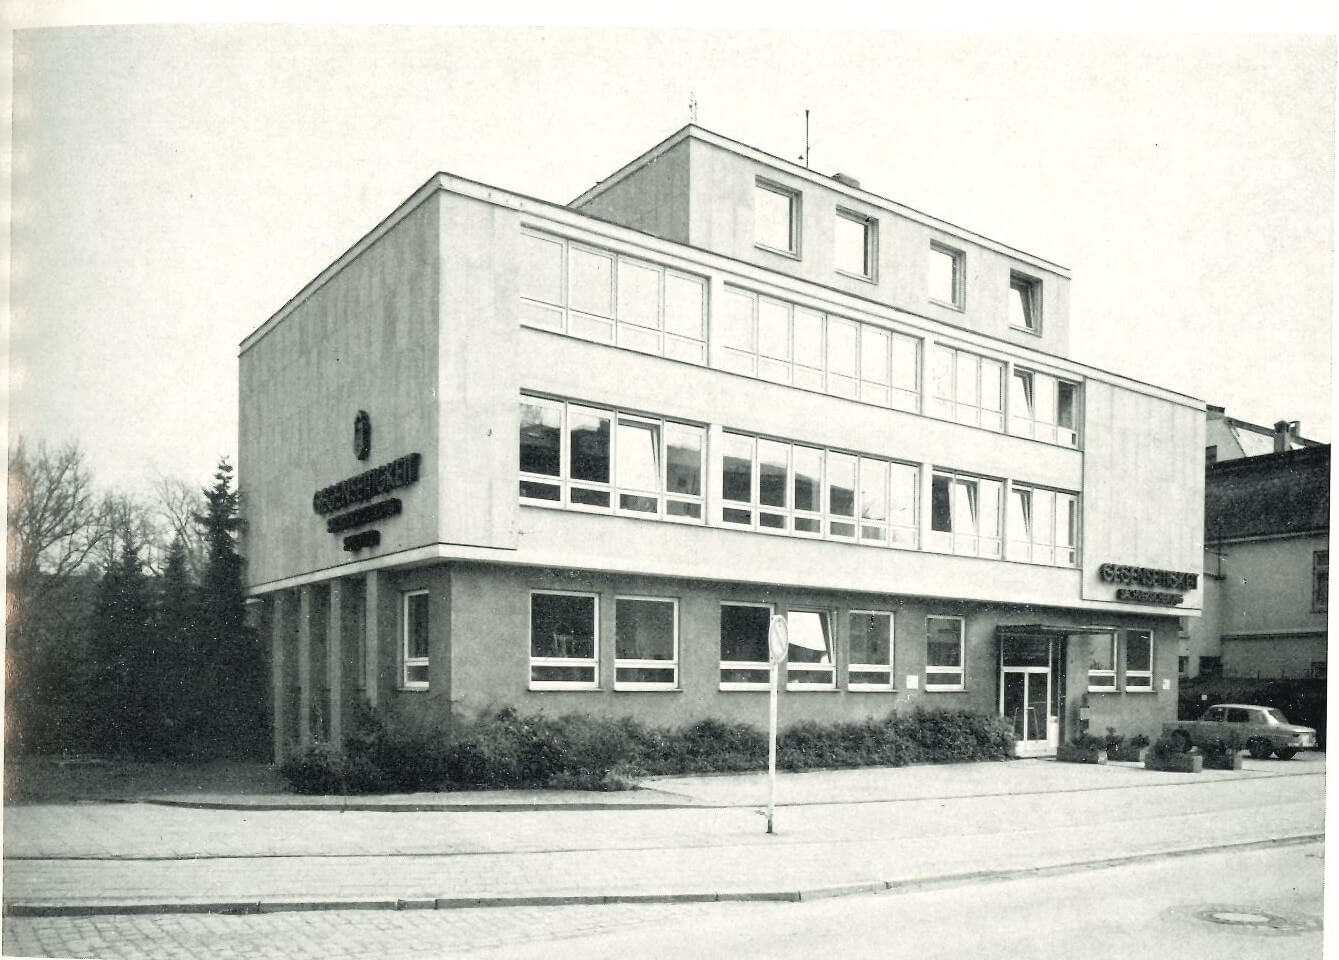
(1262, 904)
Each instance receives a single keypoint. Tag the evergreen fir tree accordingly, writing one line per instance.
(231, 660)
(175, 627)
(124, 715)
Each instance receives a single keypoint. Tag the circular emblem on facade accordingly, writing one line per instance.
(362, 435)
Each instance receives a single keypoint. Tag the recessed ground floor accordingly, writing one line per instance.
(457, 638)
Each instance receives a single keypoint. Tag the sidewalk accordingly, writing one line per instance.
(683, 838)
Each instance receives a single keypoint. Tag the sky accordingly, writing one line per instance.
(173, 186)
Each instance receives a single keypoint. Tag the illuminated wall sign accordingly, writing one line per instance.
(1136, 579)
(367, 486)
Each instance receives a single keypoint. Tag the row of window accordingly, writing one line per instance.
(610, 298)
(776, 226)
(582, 457)
(565, 647)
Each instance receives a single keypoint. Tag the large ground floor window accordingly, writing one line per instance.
(564, 632)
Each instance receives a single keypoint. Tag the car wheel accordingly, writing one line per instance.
(1181, 742)
(1285, 753)
(1260, 749)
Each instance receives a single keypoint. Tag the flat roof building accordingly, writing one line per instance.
(504, 451)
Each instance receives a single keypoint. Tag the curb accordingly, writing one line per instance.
(547, 806)
(252, 907)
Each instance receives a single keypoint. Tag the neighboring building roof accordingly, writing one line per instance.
(1278, 493)
(1232, 438)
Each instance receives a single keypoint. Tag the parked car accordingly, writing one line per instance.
(1262, 730)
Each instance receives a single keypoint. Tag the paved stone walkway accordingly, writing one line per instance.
(978, 819)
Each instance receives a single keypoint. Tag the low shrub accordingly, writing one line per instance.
(505, 749)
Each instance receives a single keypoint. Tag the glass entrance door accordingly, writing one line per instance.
(1025, 695)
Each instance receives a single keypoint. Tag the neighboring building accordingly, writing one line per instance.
(1266, 567)
(611, 440)
(1227, 438)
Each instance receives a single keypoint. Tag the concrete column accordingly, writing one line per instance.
(278, 698)
(371, 654)
(334, 661)
(305, 666)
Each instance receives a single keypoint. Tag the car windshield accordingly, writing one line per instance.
(1275, 715)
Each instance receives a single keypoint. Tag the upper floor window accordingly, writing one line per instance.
(1024, 303)
(776, 217)
(946, 275)
(965, 515)
(966, 388)
(1043, 407)
(786, 343)
(603, 296)
(772, 485)
(1042, 526)
(414, 636)
(856, 238)
(599, 459)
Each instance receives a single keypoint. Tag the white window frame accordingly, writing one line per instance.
(893, 534)
(961, 669)
(1029, 289)
(1032, 422)
(1102, 673)
(884, 669)
(593, 662)
(870, 228)
(817, 373)
(1138, 681)
(618, 328)
(958, 260)
(959, 540)
(407, 661)
(956, 406)
(792, 248)
(624, 663)
(1032, 544)
(564, 482)
(764, 665)
(1320, 581)
(829, 669)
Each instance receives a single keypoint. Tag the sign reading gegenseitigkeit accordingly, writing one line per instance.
(1148, 577)
(400, 472)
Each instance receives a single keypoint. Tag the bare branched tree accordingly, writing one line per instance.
(55, 520)
(176, 503)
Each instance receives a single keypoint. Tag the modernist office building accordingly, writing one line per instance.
(575, 458)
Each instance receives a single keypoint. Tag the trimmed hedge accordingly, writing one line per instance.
(505, 749)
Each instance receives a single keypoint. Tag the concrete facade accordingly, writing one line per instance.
(472, 316)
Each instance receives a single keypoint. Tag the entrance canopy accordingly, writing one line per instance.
(1008, 631)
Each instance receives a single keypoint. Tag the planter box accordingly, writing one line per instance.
(1128, 754)
(1175, 763)
(1231, 760)
(1068, 753)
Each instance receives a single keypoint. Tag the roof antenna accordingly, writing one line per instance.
(692, 107)
(805, 156)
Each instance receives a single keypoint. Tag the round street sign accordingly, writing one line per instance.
(778, 638)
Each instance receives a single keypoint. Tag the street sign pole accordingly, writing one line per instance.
(778, 640)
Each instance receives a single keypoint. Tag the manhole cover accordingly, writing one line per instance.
(1254, 920)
